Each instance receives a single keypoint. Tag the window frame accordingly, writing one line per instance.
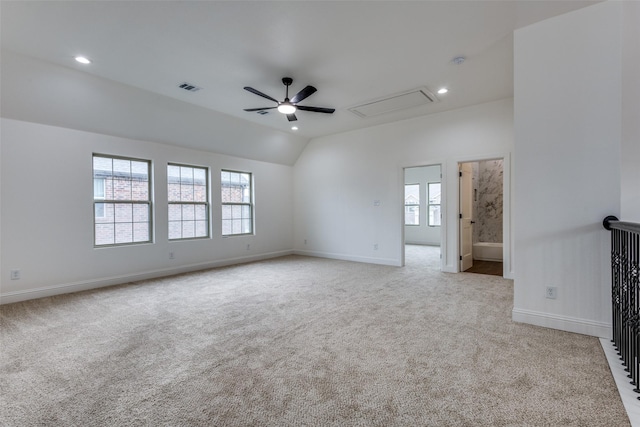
(433, 204)
(414, 205)
(250, 204)
(206, 204)
(104, 200)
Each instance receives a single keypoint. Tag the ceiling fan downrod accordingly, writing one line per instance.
(286, 107)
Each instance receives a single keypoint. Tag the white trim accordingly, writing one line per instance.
(507, 235)
(563, 323)
(628, 396)
(450, 269)
(347, 257)
(17, 296)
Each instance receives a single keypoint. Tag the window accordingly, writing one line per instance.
(98, 194)
(121, 200)
(412, 204)
(188, 196)
(237, 203)
(433, 195)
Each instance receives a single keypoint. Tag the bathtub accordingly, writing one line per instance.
(485, 251)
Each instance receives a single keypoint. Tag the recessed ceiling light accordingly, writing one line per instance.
(83, 60)
(294, 127)
(443, 91)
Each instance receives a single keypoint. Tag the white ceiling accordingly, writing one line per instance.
(352, 52)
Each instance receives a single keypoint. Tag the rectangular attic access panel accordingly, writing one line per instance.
(400, 101)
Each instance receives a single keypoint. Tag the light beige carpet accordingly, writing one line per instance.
(299, 341)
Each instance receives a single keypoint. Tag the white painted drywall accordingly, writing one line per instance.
(348, 188)
(47, 213)
(630, 203)
(422, 234)
(42, 92)
(567, 109)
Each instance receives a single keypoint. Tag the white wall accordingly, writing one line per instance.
(630, 209)
(567, 110)
(41, 92)
(422, 234)
(339, 178)
(47, 223)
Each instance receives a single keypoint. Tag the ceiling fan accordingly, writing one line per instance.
(290, 106)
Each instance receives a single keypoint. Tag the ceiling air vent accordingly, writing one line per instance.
(399, 101)
(189, 87)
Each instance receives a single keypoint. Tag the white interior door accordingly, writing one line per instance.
(466, 223)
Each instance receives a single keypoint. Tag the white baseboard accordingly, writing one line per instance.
(450, 268)
(563, 323)
(345, 257)
(48, 291)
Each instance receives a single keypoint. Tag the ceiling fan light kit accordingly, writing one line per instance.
(83, 60)
(288, 107)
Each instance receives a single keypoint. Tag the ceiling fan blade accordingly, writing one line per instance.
(309, 90)
(257, 92)
(259, 109)
(316, 109)
(291, 117)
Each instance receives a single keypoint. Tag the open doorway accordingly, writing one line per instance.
(481, 216)
(422, 216)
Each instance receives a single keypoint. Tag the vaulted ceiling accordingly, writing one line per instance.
(353, 52)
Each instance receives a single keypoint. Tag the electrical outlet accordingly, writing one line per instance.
(551, 292)
(305, 241)
(375, 246)
(15, 274)
(172, 255)
(248, 246)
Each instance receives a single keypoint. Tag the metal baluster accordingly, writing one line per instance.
(624, 261)
(634, 258)
(615, 290)
(625, 294)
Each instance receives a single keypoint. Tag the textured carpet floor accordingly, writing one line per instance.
(299, 341)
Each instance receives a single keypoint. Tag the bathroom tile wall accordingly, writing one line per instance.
(488, 202)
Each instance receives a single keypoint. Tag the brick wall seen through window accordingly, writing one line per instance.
(237, 203)
(122, 200)
(188, 198)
